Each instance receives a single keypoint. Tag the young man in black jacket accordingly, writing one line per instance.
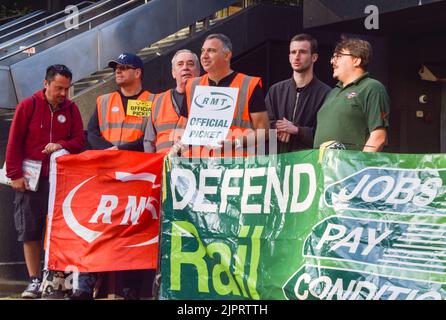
(293, 103)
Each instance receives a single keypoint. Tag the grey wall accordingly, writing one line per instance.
(322, 12)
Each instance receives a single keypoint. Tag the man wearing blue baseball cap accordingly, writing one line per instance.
(127, 59)
(120, 117)
(118, 123)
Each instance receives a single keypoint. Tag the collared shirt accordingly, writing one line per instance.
(351, 113)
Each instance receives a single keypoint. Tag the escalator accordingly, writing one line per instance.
(58, 27)
(32, 22)
(23, 21)
(105, 29)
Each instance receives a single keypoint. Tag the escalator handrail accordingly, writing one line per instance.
(62, 12)
(21, 19)
(51, 25)
(66, 30)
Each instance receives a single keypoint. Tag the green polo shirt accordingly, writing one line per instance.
(350, 113)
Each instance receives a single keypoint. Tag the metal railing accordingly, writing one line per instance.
(17, 45)
(44, 20)
(88, 21)
(89, 51)
(21, 19)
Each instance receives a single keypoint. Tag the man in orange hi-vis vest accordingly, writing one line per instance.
(121, 117)
(118, 123)
(166, 108)
(250, 119)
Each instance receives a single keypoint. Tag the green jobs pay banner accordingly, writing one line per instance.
(356, 226)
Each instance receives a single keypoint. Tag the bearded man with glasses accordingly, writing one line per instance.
(356, 111)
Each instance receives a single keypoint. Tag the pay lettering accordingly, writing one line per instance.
(336, 236)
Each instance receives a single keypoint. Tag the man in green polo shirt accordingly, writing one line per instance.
(356, 111)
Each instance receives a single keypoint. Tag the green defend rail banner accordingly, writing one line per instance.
(357, 226)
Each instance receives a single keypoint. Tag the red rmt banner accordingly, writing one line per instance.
(104, 211)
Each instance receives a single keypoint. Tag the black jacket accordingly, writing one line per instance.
(280, 102)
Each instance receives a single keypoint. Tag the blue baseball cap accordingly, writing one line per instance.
(127, 59)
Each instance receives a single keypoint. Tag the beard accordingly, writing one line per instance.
(121, 81)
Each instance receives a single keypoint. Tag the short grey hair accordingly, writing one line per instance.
(195, 57)
(227, 44)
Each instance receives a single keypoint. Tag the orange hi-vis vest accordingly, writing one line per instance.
(241, 120)
(117, 127)
(164, 119)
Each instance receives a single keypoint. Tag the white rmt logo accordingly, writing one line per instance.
(106, 206)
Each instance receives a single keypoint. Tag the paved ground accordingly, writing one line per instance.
(11, 289)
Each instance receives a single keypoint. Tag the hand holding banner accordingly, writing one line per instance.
(210, 116)
(104, 211)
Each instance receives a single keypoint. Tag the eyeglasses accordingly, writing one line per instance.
(339, 54)
(124, 67)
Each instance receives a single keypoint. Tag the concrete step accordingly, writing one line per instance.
(11, 289)
(154, 50)
(83, 86)
(104, 71)
(99, 76)
(5, 113)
